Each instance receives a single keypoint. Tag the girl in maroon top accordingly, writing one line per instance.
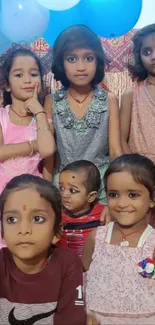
(39, 284)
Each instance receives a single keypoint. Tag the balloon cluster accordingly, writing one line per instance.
(28, 20)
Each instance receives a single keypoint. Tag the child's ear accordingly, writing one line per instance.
(152, 204)
(57, 237)
(7, 88)
(92, 196)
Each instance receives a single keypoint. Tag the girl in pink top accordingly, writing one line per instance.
(25, 133)
(119, 257)
(138, 102)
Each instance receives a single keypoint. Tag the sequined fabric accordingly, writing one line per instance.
(142, 135)
(115, 291)
(86, 138)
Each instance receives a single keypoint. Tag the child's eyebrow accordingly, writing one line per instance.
(146, 47)
(17, 211)
(10, 211)
(39, 210)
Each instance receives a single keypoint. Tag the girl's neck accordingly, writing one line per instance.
(81, 90)
(151, 79)
(31, 266)
(18, 105)
(139, 225)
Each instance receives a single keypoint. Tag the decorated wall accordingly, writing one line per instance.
(118, 50)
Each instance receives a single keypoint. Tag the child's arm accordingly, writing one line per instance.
(115, 149)
(9, 151)
(48, 162)
(45, 138)
(88, 250)
(70, 309)
(125, 118)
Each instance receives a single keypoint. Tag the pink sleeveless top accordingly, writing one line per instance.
(21, 165)
(17, 134)
(142, 128)
(115, 291)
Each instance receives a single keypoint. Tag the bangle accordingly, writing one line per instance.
(43, 128)
(31, 147)
(41, 112)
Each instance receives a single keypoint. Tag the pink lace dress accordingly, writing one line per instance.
(115, 292)
(142, 135)
(21, 165)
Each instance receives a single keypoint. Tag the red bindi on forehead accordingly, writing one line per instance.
(24, 207)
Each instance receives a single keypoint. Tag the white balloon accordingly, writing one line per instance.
(23, 20)
(147, 15)
(58, 4)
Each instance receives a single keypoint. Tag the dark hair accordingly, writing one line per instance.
(7, 65)
(46, 190)
(92, 173)
(141, 168)
(78, 36)
(137, 69)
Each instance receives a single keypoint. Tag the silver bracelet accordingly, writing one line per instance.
(43, 128)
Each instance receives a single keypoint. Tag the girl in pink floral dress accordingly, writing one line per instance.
(25, 132)
(119, 257)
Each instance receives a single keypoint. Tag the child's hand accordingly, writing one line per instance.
(105, 216)
(91, 320)
(32, 105)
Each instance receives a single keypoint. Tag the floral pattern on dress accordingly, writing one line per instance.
(91, 118)
(114, 290)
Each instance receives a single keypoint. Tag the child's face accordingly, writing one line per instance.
(80, 66)
(128, 201)
(24, 75)
(28, 223)
(147, 53)
(73, 191)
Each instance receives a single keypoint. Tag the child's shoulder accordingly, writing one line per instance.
(4, 111)
(66, 257)
(128, 92)
(100, 92)
(60, 94)
(98, 208)
(4, 257)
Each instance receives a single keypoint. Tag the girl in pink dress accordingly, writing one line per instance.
(138, 102)
(119, 257)
(25, 133)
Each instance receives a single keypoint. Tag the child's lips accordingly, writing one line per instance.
(28, 89)
(25, 244)
(66, 203)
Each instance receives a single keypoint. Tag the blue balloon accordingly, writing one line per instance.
(60, 20)
(110, 18)
(23, 20)
(4, 43)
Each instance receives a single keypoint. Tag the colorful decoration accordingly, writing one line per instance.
(112, 18)
(23, 20)
(58, 4)
(60, 20)
(146, 268)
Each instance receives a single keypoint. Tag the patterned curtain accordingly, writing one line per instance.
(117, 50)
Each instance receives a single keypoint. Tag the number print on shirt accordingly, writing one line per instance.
(80, 301)
(80, 292)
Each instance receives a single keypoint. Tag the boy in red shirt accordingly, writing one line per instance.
(79, 184)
